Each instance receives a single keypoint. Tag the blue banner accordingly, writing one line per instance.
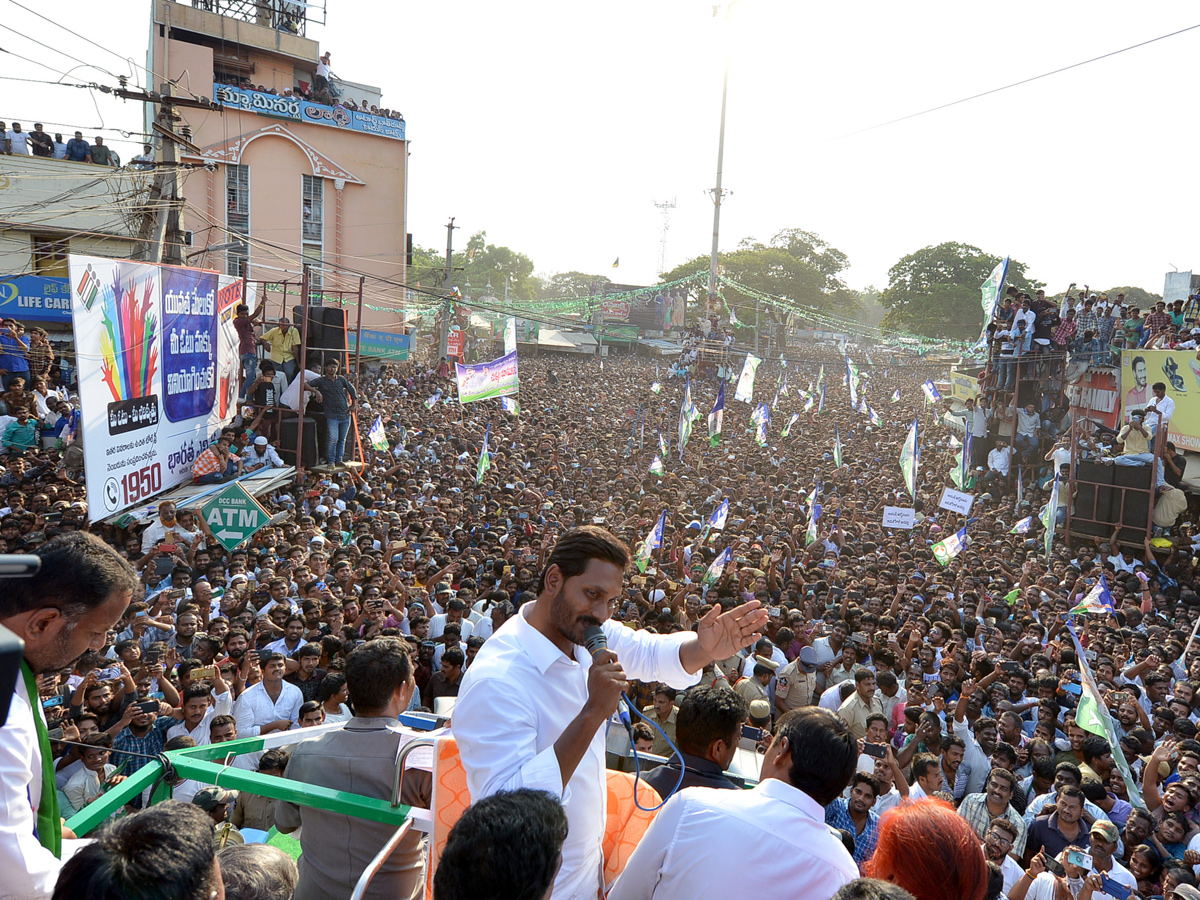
(297, 109)
(189, 303)
(36, 298)
(381, 344)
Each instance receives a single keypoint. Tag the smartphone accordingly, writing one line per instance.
(775, 611)
(1114, 888)
(52, 702)
(206, 672)
(1079, 858)
(891, 637)
(879, 751)
(1053, 866)
(153, 657)
(108, 674)
(141, 614)
(1010, 667)
(55, 734)
(1073, 689)
(754, 734)
(147, 706)
(168, 548)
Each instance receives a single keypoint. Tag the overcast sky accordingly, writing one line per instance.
(556, 126)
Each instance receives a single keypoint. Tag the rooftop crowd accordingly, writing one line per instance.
(956, 760)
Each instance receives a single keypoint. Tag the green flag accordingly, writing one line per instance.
(485, 458)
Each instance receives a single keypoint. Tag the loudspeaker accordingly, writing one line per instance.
(287, 443)
(333, 321)
(1093, 499)
(316, 331)
(1134, 510)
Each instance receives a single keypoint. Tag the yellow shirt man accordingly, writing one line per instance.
(284, 339)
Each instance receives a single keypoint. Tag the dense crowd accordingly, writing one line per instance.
(958, 682)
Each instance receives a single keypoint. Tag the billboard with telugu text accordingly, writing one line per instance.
(482, 381)
(158, 373)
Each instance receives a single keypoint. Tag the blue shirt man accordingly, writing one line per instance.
(856, 816)
(79, 150)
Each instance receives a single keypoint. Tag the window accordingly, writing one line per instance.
(50, 255)
(237, 219)
(312, 225)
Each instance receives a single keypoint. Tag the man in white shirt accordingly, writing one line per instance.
(167, 530)
(1162, 406)
(533, 705)
(271, 705)
(776, 832)
(999, 460)
(455, 612)
(200, 707)
(78, 572)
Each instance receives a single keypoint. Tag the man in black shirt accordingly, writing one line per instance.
(1174, 463)
(337, 394)
(707, 731)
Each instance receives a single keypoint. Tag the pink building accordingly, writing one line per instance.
(299, 174)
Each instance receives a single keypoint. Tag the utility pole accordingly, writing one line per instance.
(444, 318)
(161, 236)
(718, 193)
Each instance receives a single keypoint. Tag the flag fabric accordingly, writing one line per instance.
(837, 447)
(821, 404)
(656, 466)
(852, 381)
(485, 458)
(1098, 601)
(775, 400)
(955, 442)
(814, 514)
(783, 388)
(1048, 517)
(1092, 715)
(965, 461)
(760, 433)
(733, 319)
(662, 444)
(511, 406)
(862, 407)
(990, 293)
(656, 387)
(745, 383)
(874, 417)
(1022, 526)
(910, 460)
(716, 418)
(720, 515)
(956, 472)
(896, 396)
(1021, 490)
(944, 551)
(792, 421)
(808, 403)
(652, 542)
(616, 262)
(1012, 596)
(377, 436)
(931, 392)
(685, 419)
(713, 574)
(759, 414)
(432, 401)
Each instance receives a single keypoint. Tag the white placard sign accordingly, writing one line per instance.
(899, 517)
(956, 501)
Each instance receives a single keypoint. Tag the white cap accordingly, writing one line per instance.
(260, 441)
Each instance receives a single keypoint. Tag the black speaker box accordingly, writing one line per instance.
(1134, 510)
(1093, 499)
(287, 444)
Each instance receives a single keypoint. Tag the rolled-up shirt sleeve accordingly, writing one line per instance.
(650, 657)
(497, 736)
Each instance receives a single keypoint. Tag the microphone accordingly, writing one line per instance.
(623, 715)
(594, 640)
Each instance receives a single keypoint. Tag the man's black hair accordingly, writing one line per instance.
(79, 572)
(375, 670)
(824, 752)
(579, 546)
(164, 851)
(505, 847)
(708, 714)
(871, 889)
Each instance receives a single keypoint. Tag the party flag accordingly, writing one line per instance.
(760, 413)
(955, 442)
(656, 387)
(511, 406)
(783, 388)
(760, 433)
(713, 574)
(1092, 715)
(1012, 596)
(837, 447)
(432, 401)
(720, 515)
(821, 377)
(808, 403)
(931, 391)
(1022, 526)
(965, 461)
(662, 444)
(685, 419)
(616, 262)
(821, 405)
(1048, 517)
(485, 458)
(745, 384)
(1098, 600)
(874, 417)
(652, 542)
(792, 421)
(944, 551)
(656, 466)
(716, 418)
(910, 460)
(852, 381)
(896, 396)
(814, 513)
(377, 436)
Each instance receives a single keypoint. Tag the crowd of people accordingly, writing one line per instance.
(15, 141)
(960, 757)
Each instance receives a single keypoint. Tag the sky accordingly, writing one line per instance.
(556, 127)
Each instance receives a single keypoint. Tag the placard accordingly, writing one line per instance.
(956, 501)
(899, 517)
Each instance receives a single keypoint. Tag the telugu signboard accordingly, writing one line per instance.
(614, 309)
(35, 298)
(497, 378)
(899, 517)
(381, 344)
(956, 501)
(963, 386)
(297, 109)
(158, 373)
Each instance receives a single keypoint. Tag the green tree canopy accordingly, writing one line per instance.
(796, 265)
(936, 290)
(572, 284)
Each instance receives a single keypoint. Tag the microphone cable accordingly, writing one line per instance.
(637, 761)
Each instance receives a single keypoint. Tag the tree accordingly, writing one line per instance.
(797, 265)
(572, 284)
(481, 264)
(936, 290)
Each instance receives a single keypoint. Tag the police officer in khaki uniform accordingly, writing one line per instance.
(796, 684)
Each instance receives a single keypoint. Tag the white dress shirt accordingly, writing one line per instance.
(518, 697)
(1165, 407)
(776, 833)
(255, 708)
(222, 705)
(999, 459)
(30, 870)
(437, 627)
